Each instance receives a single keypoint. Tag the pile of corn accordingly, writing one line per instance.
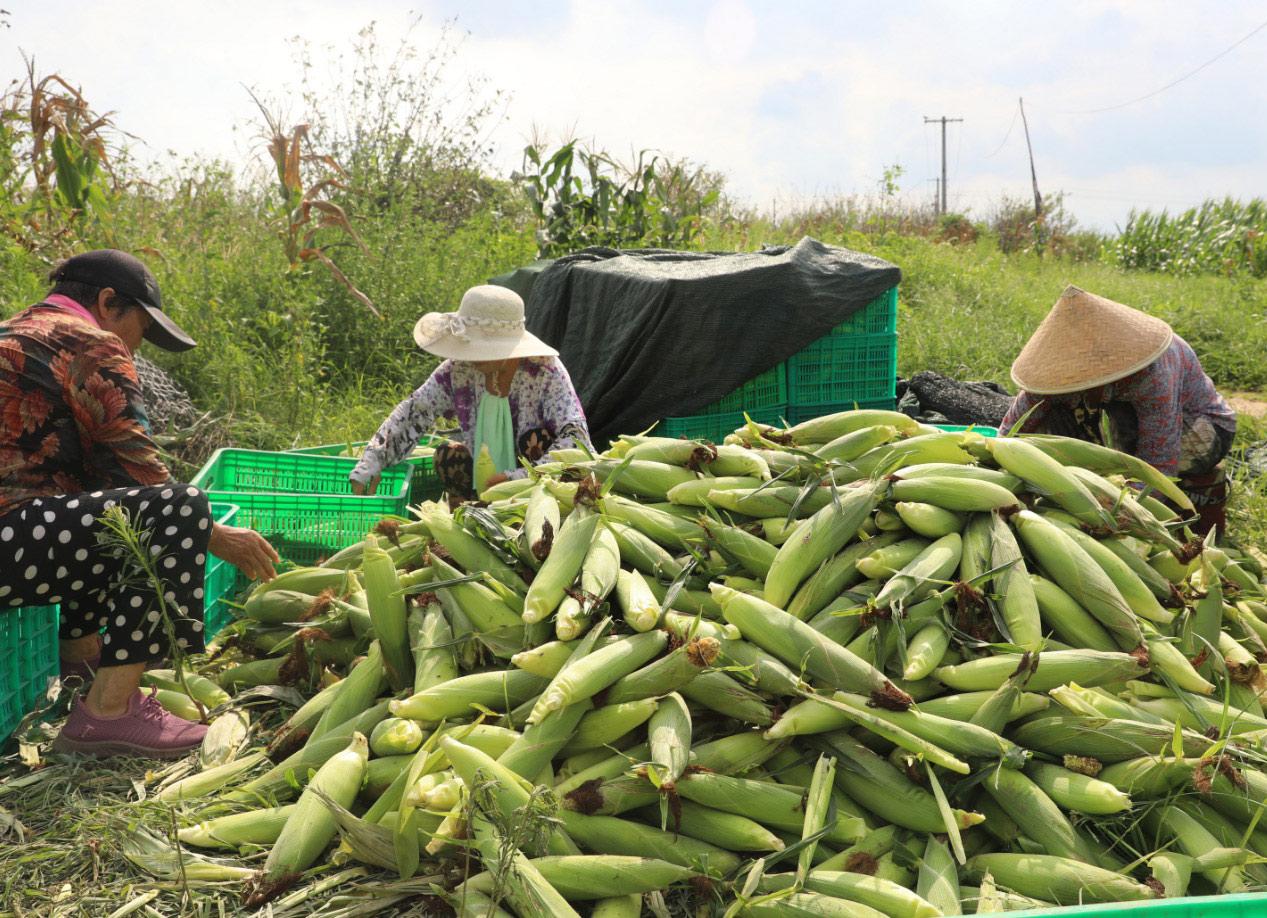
(859, 667)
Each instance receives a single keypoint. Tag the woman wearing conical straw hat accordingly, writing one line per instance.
(1095, 364)
(506, 388)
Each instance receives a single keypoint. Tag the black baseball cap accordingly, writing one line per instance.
(128, 276)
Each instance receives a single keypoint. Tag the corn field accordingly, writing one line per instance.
(1216, 238)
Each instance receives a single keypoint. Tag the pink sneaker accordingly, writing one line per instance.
(80, 672)
(146, 729)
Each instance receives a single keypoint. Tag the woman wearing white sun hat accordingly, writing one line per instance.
(505, 386)
(1094, 364)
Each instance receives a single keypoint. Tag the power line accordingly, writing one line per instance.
(1016, 114)
(1174, 82)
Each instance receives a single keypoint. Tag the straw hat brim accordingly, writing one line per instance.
(481, 346)
(1088, 341)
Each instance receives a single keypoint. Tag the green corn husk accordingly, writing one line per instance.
(431, 639)
(603, 726)
(1106, 461)
(826, 533)
(695, 493)
(666, 674)
(1057, 879)
(834, 576)
(770, 502)
(938, 879)
(718, 692)
(226, 736)
(598, 670)
(885, 896)
(561, 568)
(527, 890)
(253, 827)
(1103, 738)
(613, 835)
(1086, 667)
(1073, 624)
(964, 705)
(456, 698)
(388, 612)
(1077, 573)
(311, 826)
(923, 575)
(771, 805)
(542, 519)
(1036, 814)
(755, 554)
(1018, 605)
(641, 477)
(640, 607)
(584, 877)
(469, 552)
(365, 683)
(1136, 593)
(496, 625)
(882, 789)
(643, 554)
(798, 645)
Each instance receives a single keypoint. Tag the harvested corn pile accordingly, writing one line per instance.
(859, 667)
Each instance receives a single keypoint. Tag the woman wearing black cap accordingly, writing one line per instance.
(73, 444)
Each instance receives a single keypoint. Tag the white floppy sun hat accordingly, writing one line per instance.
(489, 325)
(1088, 341)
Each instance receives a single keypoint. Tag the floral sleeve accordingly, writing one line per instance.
(1022, 404)
(406, 425)
(562, 413)
(108, 406)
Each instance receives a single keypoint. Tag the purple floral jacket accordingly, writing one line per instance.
(541, 396)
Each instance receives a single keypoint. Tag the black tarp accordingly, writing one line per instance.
(648, 334)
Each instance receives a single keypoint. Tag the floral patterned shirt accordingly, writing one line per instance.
(541, 396)
(1172, 386)
(72, 417)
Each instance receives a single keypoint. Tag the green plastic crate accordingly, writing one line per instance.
(302, 504)
(219, 579)
(844, 368)
(28, 643)
(761, 393)
(1248, 905)
(424, 483)
(984, 429)
(855, 361)
(716, 427)
(798, 413)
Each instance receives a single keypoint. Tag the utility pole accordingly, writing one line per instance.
(943, 119)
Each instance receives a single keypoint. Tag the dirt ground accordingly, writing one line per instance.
(1252, 403)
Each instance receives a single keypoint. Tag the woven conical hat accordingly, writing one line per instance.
(1088, 341)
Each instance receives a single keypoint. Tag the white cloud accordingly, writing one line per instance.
(805, 97)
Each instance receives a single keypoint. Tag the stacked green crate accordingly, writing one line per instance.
(853, 365)
(424, 482)
(763, 398)
(302, 504)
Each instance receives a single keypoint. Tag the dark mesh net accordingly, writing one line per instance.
(166, 403)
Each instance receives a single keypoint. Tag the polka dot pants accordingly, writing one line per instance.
(50, 555)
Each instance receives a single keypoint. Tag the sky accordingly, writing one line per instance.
(791, 101)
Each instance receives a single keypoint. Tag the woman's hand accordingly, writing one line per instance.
(496, 479)
(246, 550)
(364, 489)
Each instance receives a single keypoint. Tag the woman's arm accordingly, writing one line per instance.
(1156, 393)
(105, 398)
(562, 412)
(1022, 405)
(404, 427)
